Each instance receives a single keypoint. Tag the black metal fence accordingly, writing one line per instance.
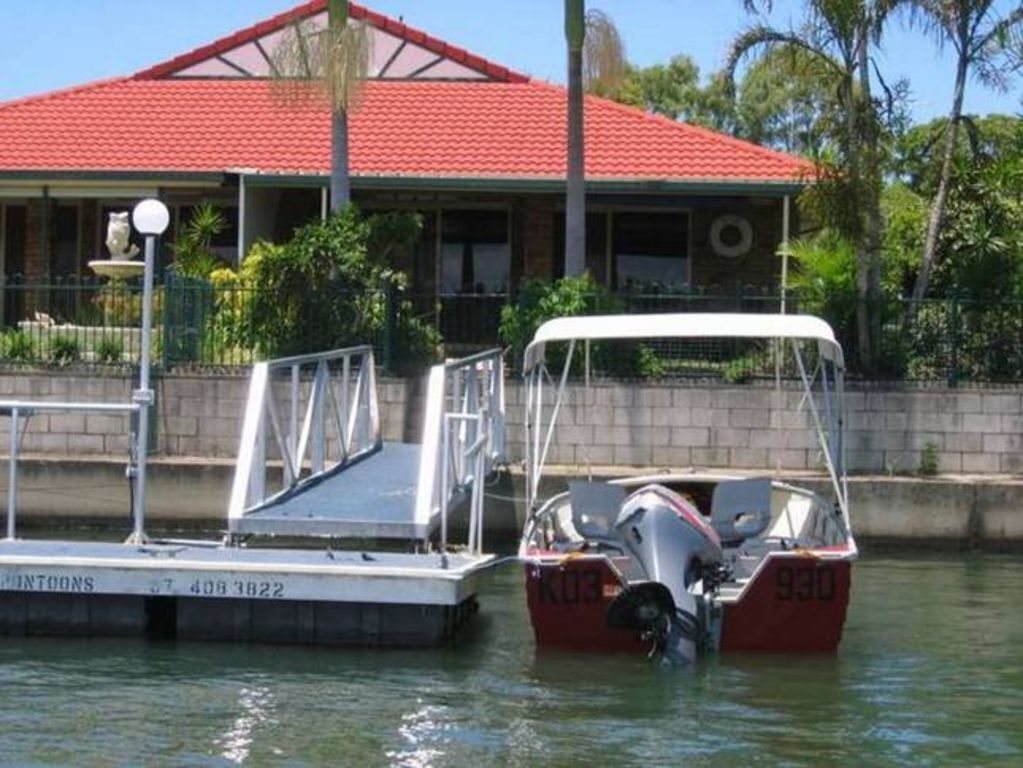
(198, 324)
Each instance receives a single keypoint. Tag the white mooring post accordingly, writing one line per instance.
(151, 218)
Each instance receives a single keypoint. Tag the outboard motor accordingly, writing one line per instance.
(672, 542)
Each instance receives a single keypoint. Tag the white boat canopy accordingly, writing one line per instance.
(685, 326)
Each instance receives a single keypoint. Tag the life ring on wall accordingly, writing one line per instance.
(731, 236)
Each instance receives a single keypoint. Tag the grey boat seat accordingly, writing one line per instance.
(741, 509)
(595, 508)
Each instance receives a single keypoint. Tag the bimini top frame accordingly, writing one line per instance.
(823, 384)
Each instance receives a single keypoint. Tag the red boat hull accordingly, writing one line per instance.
(795, 604)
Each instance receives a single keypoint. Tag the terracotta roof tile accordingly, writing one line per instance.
(403, 128)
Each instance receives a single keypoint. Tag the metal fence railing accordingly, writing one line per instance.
(197, 324)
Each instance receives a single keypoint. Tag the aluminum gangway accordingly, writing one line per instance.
(312, 462)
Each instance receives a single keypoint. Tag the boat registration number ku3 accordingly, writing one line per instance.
(804, 583)
(236, 588)
(571, 587)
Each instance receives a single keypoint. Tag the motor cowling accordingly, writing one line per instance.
(673, 544)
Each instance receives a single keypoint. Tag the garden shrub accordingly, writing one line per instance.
(193, 251)
(329, 287)
(18, 345)
(540, 301)
(109, 350)
(65, 350)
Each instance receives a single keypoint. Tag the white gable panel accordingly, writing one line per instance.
(391, 57)
(249, 58)
(383, 47)
(452, 70)
(213, 67)
(411, 59)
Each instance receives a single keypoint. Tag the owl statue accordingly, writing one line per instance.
(118, 234)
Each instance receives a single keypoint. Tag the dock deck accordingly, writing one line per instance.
(316, 478)
(374, 498)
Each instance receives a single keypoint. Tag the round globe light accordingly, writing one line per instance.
(151, 217)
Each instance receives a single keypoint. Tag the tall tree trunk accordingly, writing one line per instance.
(874, 224)
(340, 180)
(575, 195)
(923, 278)
(854, 151)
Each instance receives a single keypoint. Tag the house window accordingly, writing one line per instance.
(475, 252)
(650, 248)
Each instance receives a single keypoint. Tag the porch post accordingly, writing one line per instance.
(242, 194)
(785, 224)
(45, 243)
(324, 203)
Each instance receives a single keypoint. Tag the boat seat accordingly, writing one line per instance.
(741, 509)
(595, 508)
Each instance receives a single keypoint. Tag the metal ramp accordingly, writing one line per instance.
(312, 463)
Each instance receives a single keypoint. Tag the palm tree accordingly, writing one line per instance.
(980, 42)
(839, 35)
(336, 60)
(595, 55)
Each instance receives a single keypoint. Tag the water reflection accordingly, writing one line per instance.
(256, 707)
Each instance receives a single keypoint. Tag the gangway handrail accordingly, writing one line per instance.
(463, 439)
(17, 409)
(302, 440)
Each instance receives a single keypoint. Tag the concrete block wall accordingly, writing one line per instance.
(973, 431)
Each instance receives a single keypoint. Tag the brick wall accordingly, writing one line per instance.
(973, 431)
(761, 267)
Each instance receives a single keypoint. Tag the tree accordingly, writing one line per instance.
(981, 42)
(786, 100)
(839, 35)
(595, 56)
(335, 60)
(918, 157)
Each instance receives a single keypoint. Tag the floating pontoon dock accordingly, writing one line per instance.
(312, 469)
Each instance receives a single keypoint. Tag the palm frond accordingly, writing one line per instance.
(311, 63)
(604, 59)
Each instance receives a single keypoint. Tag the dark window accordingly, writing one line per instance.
(650, 248)
(64, 242)
(14, 261)
(475, 252)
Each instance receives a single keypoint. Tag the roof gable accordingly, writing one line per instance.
(398, 51)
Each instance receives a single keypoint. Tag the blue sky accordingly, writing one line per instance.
(58, 43)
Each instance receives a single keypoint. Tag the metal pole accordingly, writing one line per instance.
(12, 476)
(143, 396)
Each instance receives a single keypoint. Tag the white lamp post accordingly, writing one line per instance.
(151, 218)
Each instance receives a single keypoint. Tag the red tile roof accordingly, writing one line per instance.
(416, 129)
(507, 128)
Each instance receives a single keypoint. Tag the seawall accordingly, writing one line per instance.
(949, 512)
(975, 431)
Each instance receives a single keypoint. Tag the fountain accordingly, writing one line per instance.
(121, 265)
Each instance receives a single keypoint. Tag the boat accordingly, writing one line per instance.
(684, 563)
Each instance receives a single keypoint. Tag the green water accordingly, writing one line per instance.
(930, 673)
